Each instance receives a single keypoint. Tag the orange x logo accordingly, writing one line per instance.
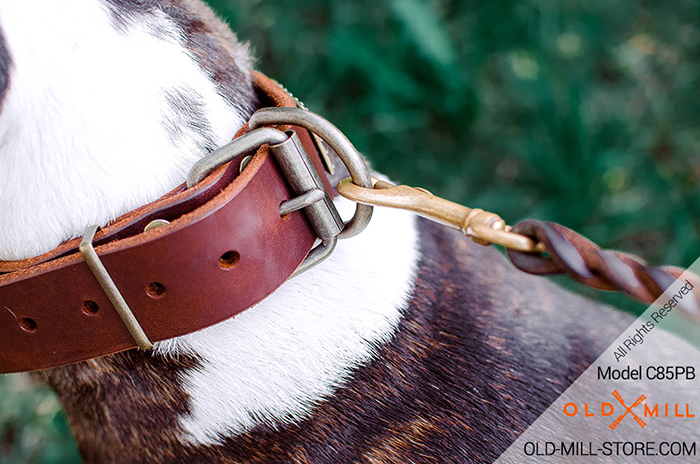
(628, 409)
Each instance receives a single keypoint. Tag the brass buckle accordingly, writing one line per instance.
(109, 287)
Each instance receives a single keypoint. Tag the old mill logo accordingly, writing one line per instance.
(628, 409)
(608, 410)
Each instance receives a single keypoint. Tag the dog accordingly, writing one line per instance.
(406, 346)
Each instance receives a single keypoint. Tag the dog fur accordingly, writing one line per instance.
(407, 345)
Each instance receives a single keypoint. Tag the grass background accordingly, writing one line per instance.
(583, 112)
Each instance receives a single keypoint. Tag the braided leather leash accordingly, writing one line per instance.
(585, 262)
(536, 247)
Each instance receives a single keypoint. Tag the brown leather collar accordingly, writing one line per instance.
(225, 249)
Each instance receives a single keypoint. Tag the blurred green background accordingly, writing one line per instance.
(581, 112)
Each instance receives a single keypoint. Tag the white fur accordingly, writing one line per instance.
(66, 163)
(274, 362)
(98, 147)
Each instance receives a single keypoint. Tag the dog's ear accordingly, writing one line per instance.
(5, 63)
(214, 45)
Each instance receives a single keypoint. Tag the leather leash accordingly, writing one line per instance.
(234, 233)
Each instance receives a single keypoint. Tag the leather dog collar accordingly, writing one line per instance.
(226, 248)
(229, 240)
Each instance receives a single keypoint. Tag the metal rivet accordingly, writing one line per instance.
(155, 224)
(245, 162)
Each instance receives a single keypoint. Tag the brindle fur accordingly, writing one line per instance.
(125, 407)
(482, 351)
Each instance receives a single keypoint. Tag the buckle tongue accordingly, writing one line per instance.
(303, 178)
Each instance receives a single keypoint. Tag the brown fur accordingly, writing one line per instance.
(125, 407)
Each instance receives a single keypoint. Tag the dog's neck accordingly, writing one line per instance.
(101, 116)
(108, 113)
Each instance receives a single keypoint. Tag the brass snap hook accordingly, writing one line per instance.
(481, 226)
